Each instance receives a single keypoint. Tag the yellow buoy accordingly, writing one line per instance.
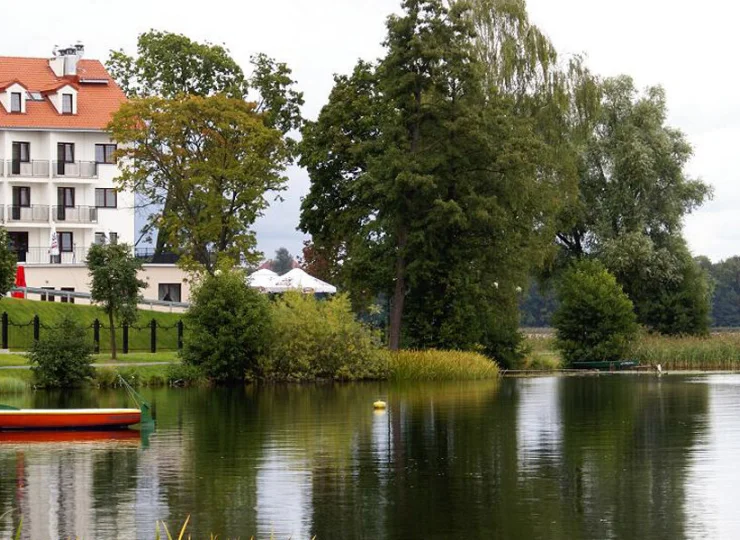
(379, 405)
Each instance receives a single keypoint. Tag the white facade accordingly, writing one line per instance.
(34, 203)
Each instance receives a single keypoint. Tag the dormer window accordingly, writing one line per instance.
(67, 104)
(15, 102)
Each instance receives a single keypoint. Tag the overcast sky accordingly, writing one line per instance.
(688, 47)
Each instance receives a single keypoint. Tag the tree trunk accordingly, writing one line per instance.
(399, 293)
(112, 336)
(162, 243)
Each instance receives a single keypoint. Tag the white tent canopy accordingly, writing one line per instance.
(295, 280)
(261, 278)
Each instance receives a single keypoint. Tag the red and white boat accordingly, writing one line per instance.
(13, 419)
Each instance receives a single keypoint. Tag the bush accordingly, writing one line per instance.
(321, 339)
(63, 357)
(184, 375)
(595, 320)
(227, 327)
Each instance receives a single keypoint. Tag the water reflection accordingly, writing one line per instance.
(575, 457)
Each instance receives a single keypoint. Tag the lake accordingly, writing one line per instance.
(613, 456)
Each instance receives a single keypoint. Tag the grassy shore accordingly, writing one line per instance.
(719, 351)
(19, 359)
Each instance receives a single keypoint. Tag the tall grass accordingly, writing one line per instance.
(540, 353)
(13, 385)
(717, 352)
(434, 365)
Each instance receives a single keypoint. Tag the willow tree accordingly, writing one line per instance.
(429, 184)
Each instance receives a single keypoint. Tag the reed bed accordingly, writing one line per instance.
(13, 385)
(435, 365)
(716, 352)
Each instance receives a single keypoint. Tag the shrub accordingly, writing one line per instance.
(63, 357)
(434, 365)
(227, 327)
(184, 375)
(321, 339)
(595, 319)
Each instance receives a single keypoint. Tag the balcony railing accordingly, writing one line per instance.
(149, 255)
(36, 168)
(76, 169)
(75, 214)
(42, 255)
(33, 213)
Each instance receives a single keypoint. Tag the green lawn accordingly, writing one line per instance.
(104, 358)
(21, 313)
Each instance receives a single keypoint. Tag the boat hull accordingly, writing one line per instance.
(606, 365)
(68, 418)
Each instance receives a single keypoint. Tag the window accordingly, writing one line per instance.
(170, 292)
(22, 196)
(100, 238)
(114, 238)
(70, 299)
(50, 298)
(18, 244)
(106, 198)
(21, 154)
(34, 96)
(66, 103)
(65, 154)
(15, 102)
(104, 153)
(66, 197)
(66, 242)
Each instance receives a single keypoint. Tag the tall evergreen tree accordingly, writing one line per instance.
(428, 185)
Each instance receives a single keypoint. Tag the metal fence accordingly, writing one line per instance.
(144, 336)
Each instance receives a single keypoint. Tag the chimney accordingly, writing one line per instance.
(64, 61)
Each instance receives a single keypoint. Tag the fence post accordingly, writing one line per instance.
(5, 330)
(36, 327)
(179, 335)
(125, 338)
(154, 335)
(96, 335)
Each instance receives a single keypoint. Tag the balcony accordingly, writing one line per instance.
(36, 213)
(42, 255)
(76, 169)
(29, 169)
(149, 255)
(74, 214)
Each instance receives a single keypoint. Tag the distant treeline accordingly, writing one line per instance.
(539, 303)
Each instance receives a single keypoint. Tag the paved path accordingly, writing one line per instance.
(118, 364)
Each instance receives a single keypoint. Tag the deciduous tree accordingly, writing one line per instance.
(8, 264)
(115, 285)
(172, 66)
(207, 163)
(283, 261)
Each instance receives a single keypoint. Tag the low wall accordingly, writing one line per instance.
(76, 276)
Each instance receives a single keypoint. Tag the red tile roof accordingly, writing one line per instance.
(96, 103)
(6, 84)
